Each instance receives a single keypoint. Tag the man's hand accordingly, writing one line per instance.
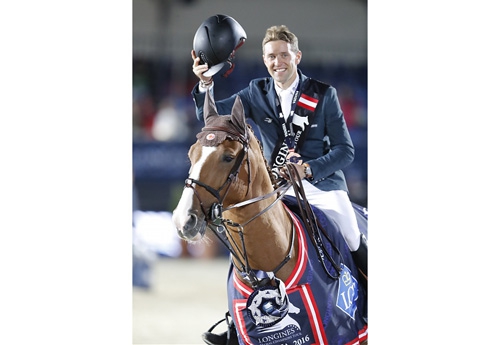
(284, 171)
(198, 69)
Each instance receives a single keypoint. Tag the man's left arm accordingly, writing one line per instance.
(341, 152)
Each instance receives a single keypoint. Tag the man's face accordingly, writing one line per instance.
(281, 62)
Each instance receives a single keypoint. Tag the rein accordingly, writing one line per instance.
(312, 225)
(282, 188)
(218, 225)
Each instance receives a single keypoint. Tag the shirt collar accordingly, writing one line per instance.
(292, 87)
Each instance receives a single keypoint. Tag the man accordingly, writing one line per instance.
(300, 120)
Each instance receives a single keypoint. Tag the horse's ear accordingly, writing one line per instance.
(238, 115)
(209, 108)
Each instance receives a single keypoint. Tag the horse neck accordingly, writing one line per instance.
(267, 237)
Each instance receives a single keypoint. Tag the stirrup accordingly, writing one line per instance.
(228, 337)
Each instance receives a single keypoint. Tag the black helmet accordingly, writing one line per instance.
(216, 41)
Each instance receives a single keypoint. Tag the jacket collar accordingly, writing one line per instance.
(270, 90)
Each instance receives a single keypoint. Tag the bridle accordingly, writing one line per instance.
(215, 210)
(218, 224)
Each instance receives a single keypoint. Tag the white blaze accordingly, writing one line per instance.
(181, 211)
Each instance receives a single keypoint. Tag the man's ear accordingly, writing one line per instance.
(298, 57)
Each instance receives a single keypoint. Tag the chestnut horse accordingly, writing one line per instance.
(292, 279)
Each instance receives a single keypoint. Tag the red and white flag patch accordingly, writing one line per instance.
(307, 102)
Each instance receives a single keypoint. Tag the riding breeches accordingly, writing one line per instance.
(337, 206)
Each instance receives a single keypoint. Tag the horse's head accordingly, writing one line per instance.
(220, 172)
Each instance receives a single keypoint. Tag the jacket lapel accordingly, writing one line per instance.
(271, 96)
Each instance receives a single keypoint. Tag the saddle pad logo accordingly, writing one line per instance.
(348, 292)
(268, 305)
(300, 326)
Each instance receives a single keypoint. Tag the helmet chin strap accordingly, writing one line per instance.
(230, 70)
(231, 57)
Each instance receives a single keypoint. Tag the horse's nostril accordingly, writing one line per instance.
(191, 222)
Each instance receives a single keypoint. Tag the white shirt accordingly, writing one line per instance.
(286, 97)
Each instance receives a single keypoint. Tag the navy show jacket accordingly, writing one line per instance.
(258, 100)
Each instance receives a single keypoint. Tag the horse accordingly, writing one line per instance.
(291, 277)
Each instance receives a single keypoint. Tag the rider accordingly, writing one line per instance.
(299, 119)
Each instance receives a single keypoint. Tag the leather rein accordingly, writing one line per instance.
(218, 224)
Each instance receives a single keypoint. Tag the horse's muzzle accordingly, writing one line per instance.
(190, 226)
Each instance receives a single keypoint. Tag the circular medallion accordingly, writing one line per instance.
(210, 136)
(268, 305)
(294, 158)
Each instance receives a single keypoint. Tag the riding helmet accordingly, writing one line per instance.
(216, 41)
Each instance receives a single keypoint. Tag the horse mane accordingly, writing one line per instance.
(268, 168)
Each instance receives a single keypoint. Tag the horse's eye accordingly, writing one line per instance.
(227, 158)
